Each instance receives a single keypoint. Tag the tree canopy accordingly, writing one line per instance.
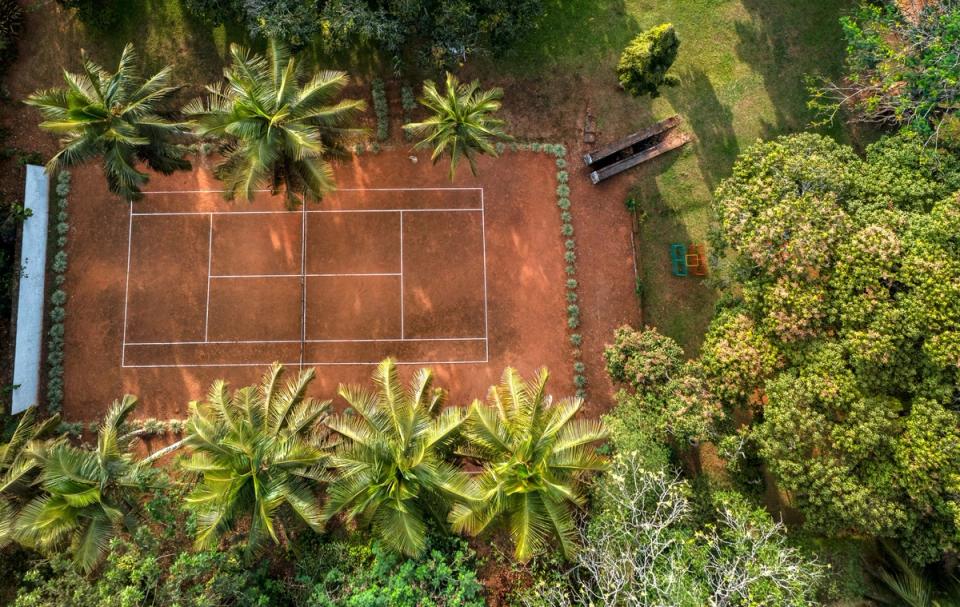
(843, 331)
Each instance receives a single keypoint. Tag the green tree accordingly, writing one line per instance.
(259, 452)
(462, 122)
(644, 64)
(843, 333)
(391, 464)
(278, 132)
(536, 457)
(20, 467)
(89, 496)
(114, 117)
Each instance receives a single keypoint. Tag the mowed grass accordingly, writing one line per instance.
(742, 64)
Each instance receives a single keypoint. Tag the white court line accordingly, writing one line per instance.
(483, 239)
(126, 289)
(427, 210)
(402, 331)
(310, 364)
(297, 341)
(206, 318)
(437, 189)
(302, 275)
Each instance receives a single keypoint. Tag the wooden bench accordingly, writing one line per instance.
(634, 149)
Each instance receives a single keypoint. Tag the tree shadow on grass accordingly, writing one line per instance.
(716, 146)
(573, 33)
(787, 42)
(680, 307)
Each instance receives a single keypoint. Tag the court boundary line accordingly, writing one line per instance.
(304, 211)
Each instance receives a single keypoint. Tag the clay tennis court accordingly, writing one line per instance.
(171, 292)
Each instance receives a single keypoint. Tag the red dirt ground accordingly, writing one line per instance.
(169, 257)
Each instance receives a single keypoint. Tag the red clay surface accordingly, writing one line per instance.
(214, 285)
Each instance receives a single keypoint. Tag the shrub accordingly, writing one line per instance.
(644, 360)
(11, 21)
(381, 108)
(352, 573)
(645, 62)
(98, 14)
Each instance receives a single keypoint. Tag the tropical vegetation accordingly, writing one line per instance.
(88, 496)
(461, 122)
(260, 453)
(20, 467)
(535, 457)
(392, 468)
(116, 117)
(278, 130)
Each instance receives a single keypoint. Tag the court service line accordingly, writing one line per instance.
(302, 275)
(402, 331)
(297, 341)
(206, 318)
(126, 289)
(310, 364)
(404, 210)
(483, 240)
(404, 189)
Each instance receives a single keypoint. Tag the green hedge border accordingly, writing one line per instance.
(58, 297)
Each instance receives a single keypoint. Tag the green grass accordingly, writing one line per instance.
(742, 64)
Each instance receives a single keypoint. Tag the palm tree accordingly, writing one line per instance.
(278, 132)
(536, 456)
(89, 495)
(19, 467)
(392, 471)
(462, 124)
(257, 450)
(113, 116)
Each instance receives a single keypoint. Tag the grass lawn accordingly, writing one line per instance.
(742, 64)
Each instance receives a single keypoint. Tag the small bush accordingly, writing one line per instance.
(566, 229)
(381, 109)
(644, 64)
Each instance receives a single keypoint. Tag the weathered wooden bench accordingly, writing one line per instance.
(634, 149)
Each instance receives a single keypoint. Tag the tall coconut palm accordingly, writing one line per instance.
(19, 467)
(391, 465)
(536, 456)
(462, 123)
(88, 495)
(260, 452)
(278, 133)
(113, 116)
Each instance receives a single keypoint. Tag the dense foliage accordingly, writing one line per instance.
(88, 496)
(645, 63)
(11, 21)
(535, 458)
(113, 116)
(462, 122)
(902, 69)
(277, 131)
(392, 468)
(20, 469)
(645, 547)
(437, 32)
(843, 333)
(260, 452)
(672, 395)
